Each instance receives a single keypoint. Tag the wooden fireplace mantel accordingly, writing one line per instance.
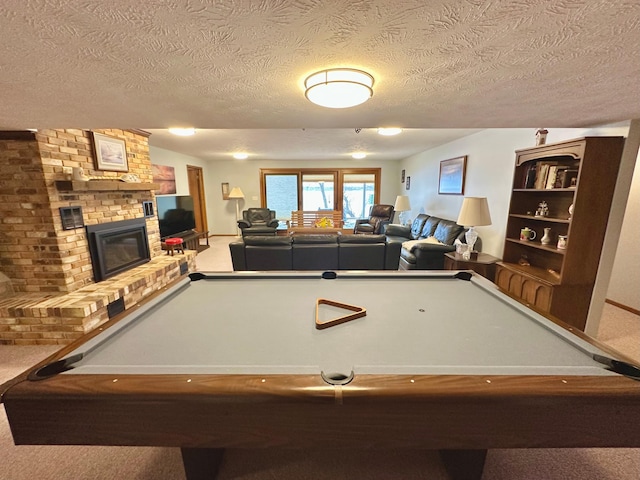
(102, 186)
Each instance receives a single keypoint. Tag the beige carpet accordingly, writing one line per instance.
(618, 328)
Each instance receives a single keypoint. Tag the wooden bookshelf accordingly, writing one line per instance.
(560, 281)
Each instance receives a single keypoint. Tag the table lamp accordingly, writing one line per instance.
(474, 213)
(237, 194)
(402, 205)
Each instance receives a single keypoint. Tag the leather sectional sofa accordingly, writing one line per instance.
(424, 243)
(315, 252)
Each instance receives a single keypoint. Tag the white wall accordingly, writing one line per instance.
(624, 286)
(160, 156)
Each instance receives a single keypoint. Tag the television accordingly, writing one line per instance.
(175, 214)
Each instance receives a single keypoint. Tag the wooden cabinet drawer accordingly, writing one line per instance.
(537, 294)
(528, 289)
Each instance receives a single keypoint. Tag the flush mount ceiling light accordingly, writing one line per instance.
(358, 155)
(183, 132)
(389, 132)
(339, 87)
(240, 156)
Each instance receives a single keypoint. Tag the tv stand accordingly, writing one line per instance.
(191, 239)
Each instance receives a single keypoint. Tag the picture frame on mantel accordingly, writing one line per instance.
(110, 153)
(452, 173)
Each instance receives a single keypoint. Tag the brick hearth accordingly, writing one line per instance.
(34, 319)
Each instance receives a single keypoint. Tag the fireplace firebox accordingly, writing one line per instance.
(116, 247)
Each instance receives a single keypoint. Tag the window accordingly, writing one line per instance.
(318, 192)
(286, 190)
(358, 196)
(281, 193)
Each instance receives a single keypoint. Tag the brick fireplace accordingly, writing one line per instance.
(52, 296)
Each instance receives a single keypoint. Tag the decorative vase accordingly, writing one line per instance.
(546, 238)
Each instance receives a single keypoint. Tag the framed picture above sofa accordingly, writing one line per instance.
(452, 173)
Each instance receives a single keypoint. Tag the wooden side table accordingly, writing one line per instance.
(484, 264)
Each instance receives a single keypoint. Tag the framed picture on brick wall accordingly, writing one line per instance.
(110, 153)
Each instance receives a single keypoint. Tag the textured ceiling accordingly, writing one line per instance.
(241, 64)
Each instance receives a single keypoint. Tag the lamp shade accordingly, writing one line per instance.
(339, 87)
(236, 193)
(474, 212)
(402, 203)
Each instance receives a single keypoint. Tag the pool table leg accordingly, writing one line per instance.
(464, 464)
(201, 463)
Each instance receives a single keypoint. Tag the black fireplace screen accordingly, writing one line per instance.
(117, 247)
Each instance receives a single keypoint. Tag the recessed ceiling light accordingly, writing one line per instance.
(389, 132)
(240, 156)
(339, 87)
(358, 155)
(183, 132)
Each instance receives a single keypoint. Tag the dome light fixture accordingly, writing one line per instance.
(358, 155)
(389, 132)
(240, 156)
(339, 87)
(183, 132)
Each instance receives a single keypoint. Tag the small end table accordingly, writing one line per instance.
(484, 264)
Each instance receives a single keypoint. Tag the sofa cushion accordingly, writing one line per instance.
(447, 231)
(367, 239)
(430, 227)
(361, 256)
(418, 225)
(315, 252)
(409, 244)
(314, 239)
(396, 230)
(266, 241)
(258, 216)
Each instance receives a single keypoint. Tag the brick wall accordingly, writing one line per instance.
(35, 252)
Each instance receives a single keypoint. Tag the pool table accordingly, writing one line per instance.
(437, 360)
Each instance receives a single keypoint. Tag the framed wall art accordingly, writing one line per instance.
(110, 152)
(408, 184)
(165, 177)
(225, 191)
(452, 173)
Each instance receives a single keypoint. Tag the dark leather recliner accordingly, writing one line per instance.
(379, 216)
(258, 221)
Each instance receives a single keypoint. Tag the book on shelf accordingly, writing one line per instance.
(530, 177)
(541, 177)
(569, 178)
(551, 177)
(561, 173)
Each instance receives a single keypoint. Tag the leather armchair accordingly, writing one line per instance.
(379, 216)
(258, 221)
